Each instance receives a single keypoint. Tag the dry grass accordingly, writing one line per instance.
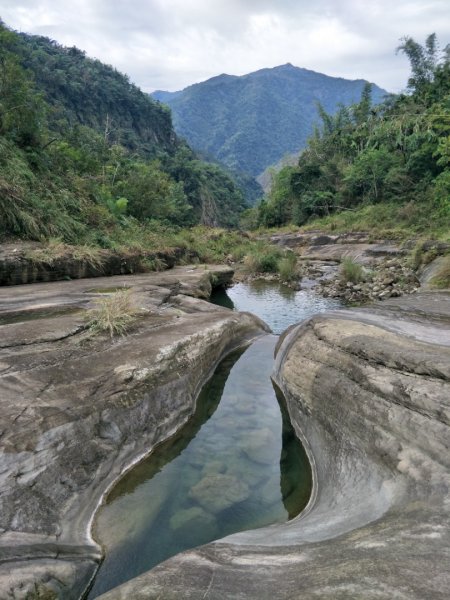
(113, 314)
(55, 249)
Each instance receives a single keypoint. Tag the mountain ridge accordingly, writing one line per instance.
(249, 122)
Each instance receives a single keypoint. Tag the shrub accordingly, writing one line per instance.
(114, 314)
(416, 258)
(153, 263)
(262, 261)
(352, 271)
(287, 267)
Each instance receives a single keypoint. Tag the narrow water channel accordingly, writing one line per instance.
(237, 464)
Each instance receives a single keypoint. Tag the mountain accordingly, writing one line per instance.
(85, 154)
(250, 122)
(84, 91)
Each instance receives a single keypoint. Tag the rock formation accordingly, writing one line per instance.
(77, 409)
(368, 391)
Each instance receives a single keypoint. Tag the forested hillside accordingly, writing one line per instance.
(85, 154)
(390, 161)
(249, 123)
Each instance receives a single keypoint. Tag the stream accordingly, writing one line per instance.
(236, 465)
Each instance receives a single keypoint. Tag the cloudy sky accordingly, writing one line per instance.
(169, 44)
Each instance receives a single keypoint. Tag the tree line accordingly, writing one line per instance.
(84, 152)
(397, 152)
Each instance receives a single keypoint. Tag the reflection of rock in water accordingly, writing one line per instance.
(221, 298)
(295, 470)
(139, 514)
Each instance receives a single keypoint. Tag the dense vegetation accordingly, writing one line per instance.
(87, 157)
(250, 122)
(385, 165)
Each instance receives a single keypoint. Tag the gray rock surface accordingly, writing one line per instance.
(431, 271)
(368, 390)
(77, 409)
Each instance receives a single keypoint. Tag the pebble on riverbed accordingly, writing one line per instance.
(387, 278)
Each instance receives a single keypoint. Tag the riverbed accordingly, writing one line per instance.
(237, 465)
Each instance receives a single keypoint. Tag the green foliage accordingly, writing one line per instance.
(264, 258)
(213, 245)
(423, 61)
(442, 278)
(351, 271)
(262, 261)
(21, 108)
(87, 157)
(397, 153)
(389, 220)
(287, 267)
(251, 122)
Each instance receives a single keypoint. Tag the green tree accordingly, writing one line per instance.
(21, 108)
(152, 194)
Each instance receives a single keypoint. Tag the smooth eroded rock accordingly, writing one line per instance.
(77, 409)
(368, 390)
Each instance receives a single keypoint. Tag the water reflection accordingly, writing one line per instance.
(220, 297)
(237, 465)
(278, 305)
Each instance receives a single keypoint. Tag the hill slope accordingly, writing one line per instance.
(385, 166)
(84, 153)
(250, 122)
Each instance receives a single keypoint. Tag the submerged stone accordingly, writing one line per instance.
(218, 492)
(259, 446)
(187, 521)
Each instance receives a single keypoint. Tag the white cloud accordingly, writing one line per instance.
(168, 44)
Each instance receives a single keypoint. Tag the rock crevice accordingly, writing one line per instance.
(368, 391)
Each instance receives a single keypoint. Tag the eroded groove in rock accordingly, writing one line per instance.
(377, 423)
(76, 411)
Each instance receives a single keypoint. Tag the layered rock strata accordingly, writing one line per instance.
(77, 409)
(31, 262)
(368, 391)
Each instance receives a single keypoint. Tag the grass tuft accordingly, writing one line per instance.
(114, 314)
(351, 271)
(287, 267)
(262, 260)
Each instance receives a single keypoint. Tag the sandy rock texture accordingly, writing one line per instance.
(368, 390)
(77, 409)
